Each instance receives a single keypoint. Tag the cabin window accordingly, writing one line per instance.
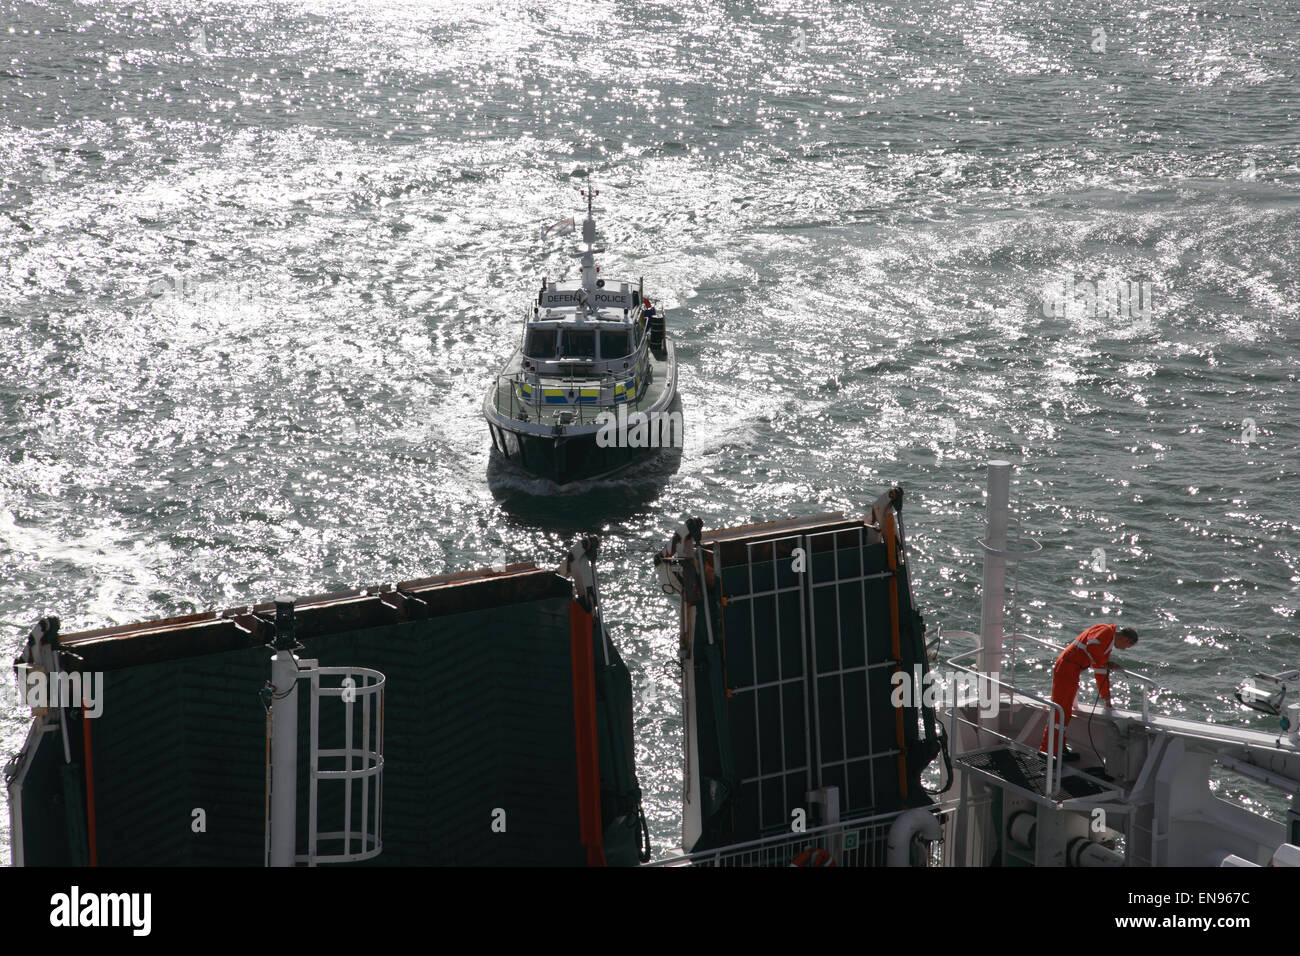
(540, 343)
(579, 345)
(615, 344)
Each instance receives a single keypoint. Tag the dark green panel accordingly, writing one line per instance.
(478, 715)
(45, 831)
(836, 627)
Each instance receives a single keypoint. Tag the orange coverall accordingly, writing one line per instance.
(1090, 649)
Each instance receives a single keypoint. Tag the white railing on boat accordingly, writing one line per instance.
(1055, 714)
(511, 404)
(1055, 722)
(1125, 673)
(863, 841)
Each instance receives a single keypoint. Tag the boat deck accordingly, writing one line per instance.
(656, 395)
(1027, 772)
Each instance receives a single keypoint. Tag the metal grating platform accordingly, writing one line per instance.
(1028, 771)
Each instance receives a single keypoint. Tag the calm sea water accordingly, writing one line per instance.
(257, 261)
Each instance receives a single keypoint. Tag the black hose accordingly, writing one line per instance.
(1091, 743)
(947, 759)
(643, 853)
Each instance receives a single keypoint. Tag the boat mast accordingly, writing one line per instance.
(589, 269)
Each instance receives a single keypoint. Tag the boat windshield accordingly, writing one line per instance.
(541, 343)
(615, 344)
(579, 344)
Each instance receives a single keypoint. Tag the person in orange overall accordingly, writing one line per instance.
(1090, 649)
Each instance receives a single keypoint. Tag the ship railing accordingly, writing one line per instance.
(986, 728)
(537, 410)
(1123, 672)
(862, 841)
(1055, 713)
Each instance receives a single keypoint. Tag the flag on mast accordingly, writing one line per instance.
(563, 227)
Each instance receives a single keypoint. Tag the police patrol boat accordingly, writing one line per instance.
(593, 386)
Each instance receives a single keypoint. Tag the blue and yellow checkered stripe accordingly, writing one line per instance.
(587, 395)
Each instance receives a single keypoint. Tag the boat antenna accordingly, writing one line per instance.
(589, 269)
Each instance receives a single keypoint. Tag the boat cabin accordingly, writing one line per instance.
(584, 334)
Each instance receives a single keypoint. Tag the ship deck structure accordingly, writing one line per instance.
(486, 718)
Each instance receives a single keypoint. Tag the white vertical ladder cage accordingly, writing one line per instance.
(358, 766)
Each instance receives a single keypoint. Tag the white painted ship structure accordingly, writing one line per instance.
(1139, 796)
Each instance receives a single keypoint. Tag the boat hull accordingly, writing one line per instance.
(564, 459)
(563, 452)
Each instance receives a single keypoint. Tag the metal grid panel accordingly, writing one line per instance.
(815, 672)
(846, 758)
(766, 668)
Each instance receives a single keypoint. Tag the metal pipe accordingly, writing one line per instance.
(1083, 852)
(1283, 783)
(907, 827)
(1023, 828)
(284, 758)
(994, 590)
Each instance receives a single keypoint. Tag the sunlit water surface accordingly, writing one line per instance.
(258, 261)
